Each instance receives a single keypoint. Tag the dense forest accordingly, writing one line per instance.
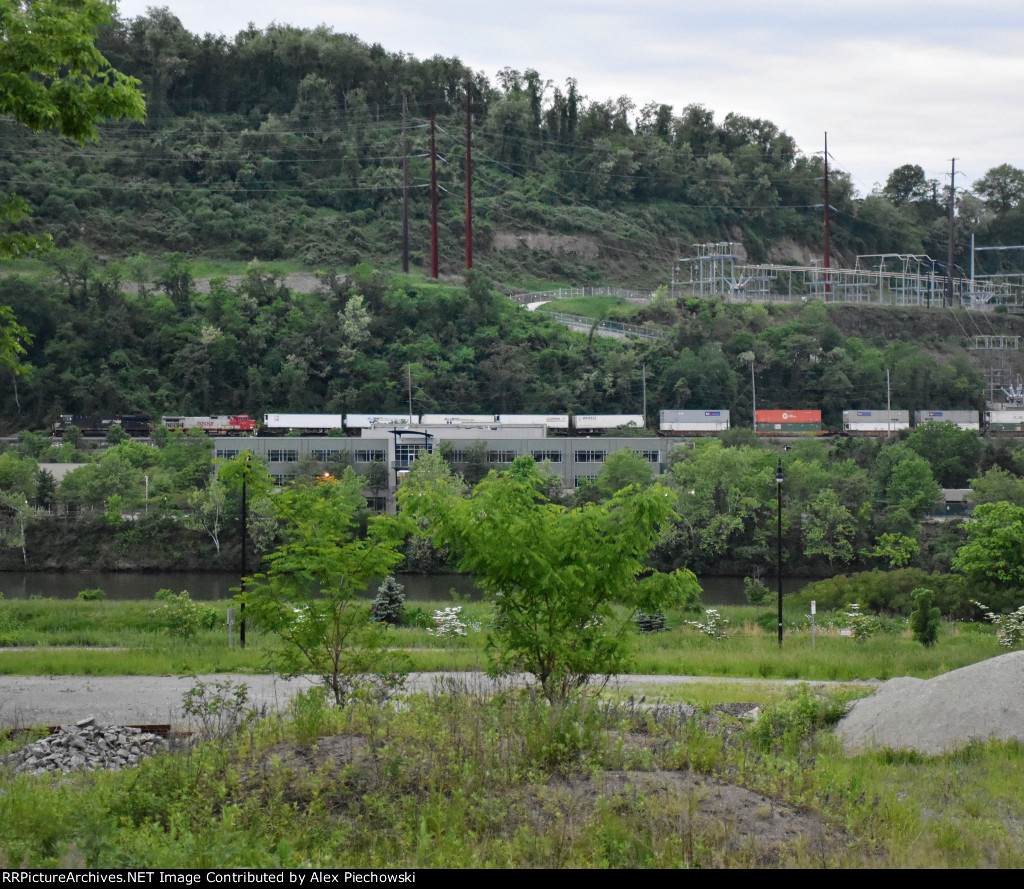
(288, 143)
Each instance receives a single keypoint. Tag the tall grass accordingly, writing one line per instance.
(131, 637)
(457, 780)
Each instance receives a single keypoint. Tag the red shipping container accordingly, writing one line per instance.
(788, 417)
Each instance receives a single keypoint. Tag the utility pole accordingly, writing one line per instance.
(469, 174)
(888, 402)
(643, 370)
(433, 201)
(952, 218)
(245, 536)
(408, 370)
(405, 186)
(828, 233)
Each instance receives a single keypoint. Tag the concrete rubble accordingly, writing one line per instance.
(84, 747)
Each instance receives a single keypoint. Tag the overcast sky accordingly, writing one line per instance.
(894, 82)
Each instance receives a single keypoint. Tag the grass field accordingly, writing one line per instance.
(457, 780)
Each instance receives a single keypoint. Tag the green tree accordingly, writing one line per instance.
(555, 574)
(54, 78)
(309, 596)
(994, 552)
(897, 549)
(829, 529)
(925, 620)
(952, 453)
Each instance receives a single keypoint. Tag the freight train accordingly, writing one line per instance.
(689, 423)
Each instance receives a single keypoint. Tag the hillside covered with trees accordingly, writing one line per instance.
(288, 143)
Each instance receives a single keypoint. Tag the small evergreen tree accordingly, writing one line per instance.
(389, 603)
(926, 619)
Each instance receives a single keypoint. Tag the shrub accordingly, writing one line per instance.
(926, 620)
(218, 709)
(1009, 627)
(91, 595)
(183, 618)
(713, 625)
(389, 603)
(789, 724)
(889, 592)
(756, 590)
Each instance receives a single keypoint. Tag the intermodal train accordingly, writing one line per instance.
(690, 423)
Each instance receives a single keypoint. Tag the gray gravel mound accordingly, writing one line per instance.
(975, 703)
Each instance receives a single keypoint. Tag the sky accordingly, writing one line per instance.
(892, 83)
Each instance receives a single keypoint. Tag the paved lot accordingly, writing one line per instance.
(147, 700)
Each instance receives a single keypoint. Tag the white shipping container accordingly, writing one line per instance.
(552, 421)
(696, 421)
(962, 419)
(608, 421)
(302, 421)
(455, 419)
(875, 421)
(369, 421)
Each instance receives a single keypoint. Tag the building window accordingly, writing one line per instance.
(649, 456)
(323, 455)
(277, 479)
(377, 504)
(501, 456)
(369, 456)
(583, 480)
(286, 455)
(406, 453)
(589, 456)
(226, 453)
(550, 456)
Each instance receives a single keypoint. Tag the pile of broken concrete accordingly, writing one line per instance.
(86, 746)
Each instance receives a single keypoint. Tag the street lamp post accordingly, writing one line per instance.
(779, 478)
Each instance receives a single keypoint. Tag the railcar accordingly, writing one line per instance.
(875, 422)
(692, 422)
(1004, 422)
(240, 424)
(309, 424)
(598, 424)
(962, 419)
(92, 426)
(354, 422)
(788, 422)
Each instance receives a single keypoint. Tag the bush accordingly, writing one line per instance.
(889, 592)
(389, 603)
(926, 620)
(91, 595)
(183, 618)
(787, 726)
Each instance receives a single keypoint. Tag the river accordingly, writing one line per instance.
(209, 586)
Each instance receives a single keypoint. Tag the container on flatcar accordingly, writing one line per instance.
(963, 419)
(692, 422)
(456, 419)
(241, 424)
(1004, 421)
(606, 422)
(788, 422)
(559, 422)
(875, 422)
(370, 421)
(303, 422)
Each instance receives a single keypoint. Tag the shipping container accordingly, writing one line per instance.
(963, 419)
(369, 421)
(305, 422)
(551, 421)
(788, 422)
(456, 419)
(1004, 421)
(605, 422)
(875, 422)
(693, 422)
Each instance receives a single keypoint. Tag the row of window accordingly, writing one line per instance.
(405, 454)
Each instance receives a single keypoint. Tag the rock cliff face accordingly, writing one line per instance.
(84, 747)
(568, 245)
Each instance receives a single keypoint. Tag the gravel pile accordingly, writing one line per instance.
(84, 747)
(975, 703)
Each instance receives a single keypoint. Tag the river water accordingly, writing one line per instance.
(209, 586)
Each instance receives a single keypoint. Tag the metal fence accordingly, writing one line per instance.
(637, 297)
(607, 328)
